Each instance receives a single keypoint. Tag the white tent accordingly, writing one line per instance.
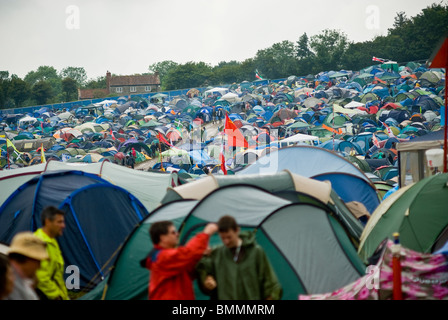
(299, 138)
(148, 187)
(231, 97)
(354, 104)
(221, 91)
(106, 103)
(348, 111)
(27, 120)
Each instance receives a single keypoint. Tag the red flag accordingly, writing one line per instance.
(161, 138)
(375, 141)
(234, 136)
(379, 80)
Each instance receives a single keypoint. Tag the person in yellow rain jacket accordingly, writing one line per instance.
(50, 275)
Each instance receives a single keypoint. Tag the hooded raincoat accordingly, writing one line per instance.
(241, 274)
(50, 275)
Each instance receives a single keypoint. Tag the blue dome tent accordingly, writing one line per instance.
(98, 215)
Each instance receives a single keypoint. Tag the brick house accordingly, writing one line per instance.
(123, 85)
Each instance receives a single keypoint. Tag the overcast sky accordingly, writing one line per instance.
(126, 36)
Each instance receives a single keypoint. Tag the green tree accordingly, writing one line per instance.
(42, 73)
(162, 68)
(46, 73)
(329, 48)
(98, 83)
(42, 92)
(4, 88)
(18, 90)
(228, 72)
(425, 31)
(70, 89)
(76, 73)
(188, 75)
(247, 69)
(359, 55)
(304, 55)
(277, 61)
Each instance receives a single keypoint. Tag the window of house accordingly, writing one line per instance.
(133, 89)
(148, 88)
(119, 89)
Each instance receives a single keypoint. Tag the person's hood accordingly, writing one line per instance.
(248, 238)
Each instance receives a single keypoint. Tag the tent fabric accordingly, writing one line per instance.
(300, 137)
(415, 212)
(313, 161)
(148, 187)
(21, 211)
(283, 226)
(286, 185)
(99, 216)
(98, 220)
(360, 190)
(272, 182)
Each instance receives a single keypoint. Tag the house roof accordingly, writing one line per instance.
(89, 93)
(152, 79)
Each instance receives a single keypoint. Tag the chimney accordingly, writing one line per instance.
(157, 78)
(108, 77)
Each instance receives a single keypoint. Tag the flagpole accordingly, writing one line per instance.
(160, 153)
(445, 169)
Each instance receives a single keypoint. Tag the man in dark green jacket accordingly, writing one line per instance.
(239, 269)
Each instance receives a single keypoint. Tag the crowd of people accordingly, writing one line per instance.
(32, 266)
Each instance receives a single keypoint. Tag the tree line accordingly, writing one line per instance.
(409, 39)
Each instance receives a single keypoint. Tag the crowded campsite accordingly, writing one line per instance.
(324, 186)
(328, 154)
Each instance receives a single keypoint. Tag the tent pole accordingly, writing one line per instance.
(397, 292)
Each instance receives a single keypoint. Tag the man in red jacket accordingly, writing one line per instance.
(172, 267)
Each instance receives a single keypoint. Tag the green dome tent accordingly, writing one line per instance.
(417, 212)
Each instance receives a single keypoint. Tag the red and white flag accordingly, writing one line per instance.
(376, 143)
(378, 59)
(390, 133)
(222, 158)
